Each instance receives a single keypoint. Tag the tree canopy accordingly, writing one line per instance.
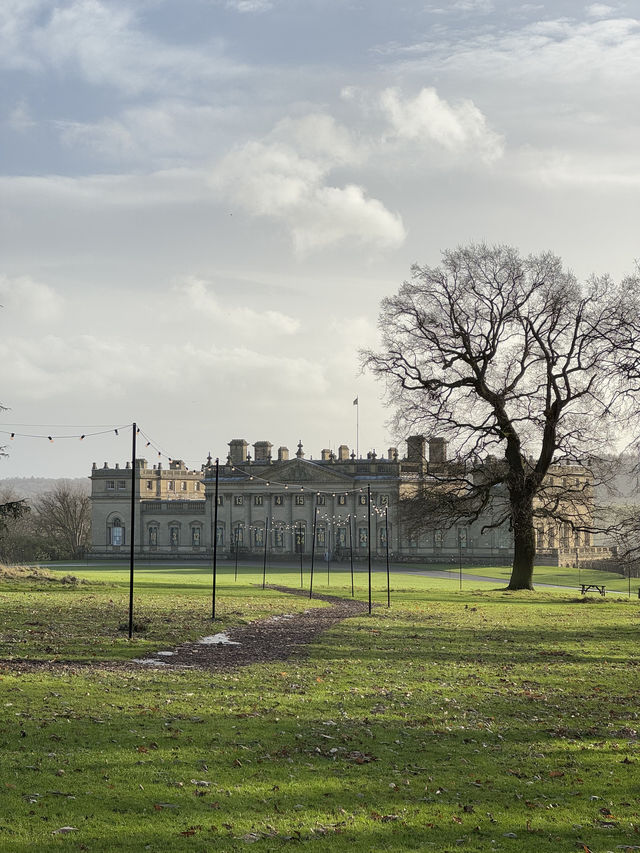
(519, 366)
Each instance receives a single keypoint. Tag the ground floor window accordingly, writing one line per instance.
(258, 537)
(115, 532)
(220, 535)
(153, 535)
(195, 537)
(174, 537)
(363, 537)
(278, 536)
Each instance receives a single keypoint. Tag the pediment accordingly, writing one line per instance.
(302, 471)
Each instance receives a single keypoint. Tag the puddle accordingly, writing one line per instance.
(149, 661)
(165, 654)
(218, 640)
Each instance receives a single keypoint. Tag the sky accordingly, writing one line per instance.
(203, 202)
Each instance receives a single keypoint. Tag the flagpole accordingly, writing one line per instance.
(356, 403)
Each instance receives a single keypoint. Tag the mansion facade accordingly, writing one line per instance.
(267, 503)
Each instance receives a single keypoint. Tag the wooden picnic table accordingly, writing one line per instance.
(599, 587)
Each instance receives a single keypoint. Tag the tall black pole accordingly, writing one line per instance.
(264, 562)
(300, 546)
(351, 552)
(132, 534)
(215, 543)
(369, 537)
(460, 556)
(313, 550)
(386, 539)
(235, 576)
(328, 544)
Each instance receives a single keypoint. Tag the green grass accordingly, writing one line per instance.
(568, 576)
(452, 721)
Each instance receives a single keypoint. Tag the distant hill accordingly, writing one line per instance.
(29, 488)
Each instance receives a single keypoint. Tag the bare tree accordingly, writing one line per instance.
(11, 508)
(64, 515)
(521, 368)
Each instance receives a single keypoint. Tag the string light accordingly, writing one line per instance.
(51, 437)
(150, 443)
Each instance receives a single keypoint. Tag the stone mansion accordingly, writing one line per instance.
(278, 499)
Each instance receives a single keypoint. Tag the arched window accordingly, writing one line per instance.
(115, 532)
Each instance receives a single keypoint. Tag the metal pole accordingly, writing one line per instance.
(264, 562)
(351, 552)
(235, 539)
(132, 525)
(313, 550)
(579, 572)
(369, 537)
(300, 547)
(328, 543)
(386, 537)
(460, 556)
(215, 544)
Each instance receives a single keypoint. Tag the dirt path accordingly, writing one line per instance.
(270, 639)
(274, 638)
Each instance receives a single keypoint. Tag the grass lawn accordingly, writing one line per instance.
(478, 720)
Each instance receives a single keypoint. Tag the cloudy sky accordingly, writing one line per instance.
(202, 202)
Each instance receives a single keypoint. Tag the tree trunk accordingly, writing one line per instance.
(524, 542)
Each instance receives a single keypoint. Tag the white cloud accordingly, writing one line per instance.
(105, 44)
(16, 20)
(106, 368)
(600, 10)
(167, 187)
(319, 136)
(556, 168)
(286, 177)
(26, 301)
(160, 133)
(274, 180)
(201, 298)
(250, 5)
(559, 52)
(429, 118)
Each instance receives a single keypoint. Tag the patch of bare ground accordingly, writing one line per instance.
(271, 639)
(266, 640)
